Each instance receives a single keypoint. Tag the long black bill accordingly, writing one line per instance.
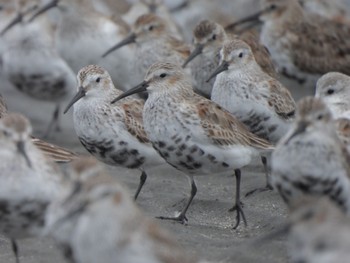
(222, 67)
(142, 87)
(15, 21)
(81, 93)
(301, 127)
(128, 40)
(21, 150)
(44, 9)
(251, 18)
(198, 50)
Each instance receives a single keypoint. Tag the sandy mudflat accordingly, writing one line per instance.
(208, 233)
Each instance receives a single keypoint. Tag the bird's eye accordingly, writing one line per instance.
(320, 117)
(240, 55)
(163, 75)
(98, 80)
(273, 7)
(330, 91)
(151, 28)
(213, 37)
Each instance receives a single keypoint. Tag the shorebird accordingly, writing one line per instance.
(114, 134)
(156, 7)
(54, 152)
(302, 46)
(208, 38)
(30, 61)
(83, 35)
(192, 133)
(29, 181)
(101, 209)
(319, 232)
(258, 100)
(154, 42)
(334, 89)
(310, 159)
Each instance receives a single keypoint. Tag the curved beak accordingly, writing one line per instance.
(222, 67)
(21, 150)
(142, 87)
(197, 50)
(128, 40)
(81, 93)
(301, 127)
(18, 19)
(252, 18)
(44, 9)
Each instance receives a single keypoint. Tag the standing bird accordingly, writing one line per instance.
(192, 133)
(258, 100)
(29, 181)
(30, 60)
(114, 134)
(154, 42)
(99, 208)
(303, 46)
(208, 38)
(310, 159)
(83, 35)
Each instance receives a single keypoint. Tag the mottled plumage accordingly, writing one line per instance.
(319, 232)
(99, 208)
(154, 42)
(32, 64)
(191, 133)
(310, 159)
(302, 45)
(114, 134)
(29, 181)
(258, 100)
(209, 38)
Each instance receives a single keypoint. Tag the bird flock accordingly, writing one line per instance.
(185, 85)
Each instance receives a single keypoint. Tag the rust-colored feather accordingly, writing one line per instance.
(223, 128)
(133, 119)
(281, 100)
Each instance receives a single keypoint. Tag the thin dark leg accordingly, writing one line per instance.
(15, 249)
(238, 205)
(268, 187)
(182, 216)
(143, 179)
(54, 123)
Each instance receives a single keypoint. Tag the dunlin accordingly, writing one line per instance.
(154, 42)
(29, 181)
(83, 35)
(262, 103)
(31, 63)
(310, 159)
(54, 152)
(303, 46)
(334, 89)
(114, 134)
(209, 38)
(156, 7)
(192, 133)
(101, 209)
(319, 232)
